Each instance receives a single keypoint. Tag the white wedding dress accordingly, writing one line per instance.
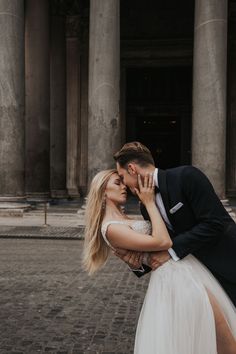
(176, 316)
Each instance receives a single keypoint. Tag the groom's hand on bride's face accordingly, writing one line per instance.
(157, 259)
(132, 258)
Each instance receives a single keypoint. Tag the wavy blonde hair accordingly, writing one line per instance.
(96, 251)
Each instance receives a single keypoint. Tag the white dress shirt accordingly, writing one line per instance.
(160, 205)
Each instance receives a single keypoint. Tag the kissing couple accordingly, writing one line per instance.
(189, 307)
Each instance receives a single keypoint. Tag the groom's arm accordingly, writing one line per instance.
(133, 259)
(207, 209)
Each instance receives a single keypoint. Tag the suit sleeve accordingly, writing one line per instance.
(144, 212)
(208, 212)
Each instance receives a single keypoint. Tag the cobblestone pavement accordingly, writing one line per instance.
(52, 232)
(49, 305)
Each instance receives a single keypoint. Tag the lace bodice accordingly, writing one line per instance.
(141, 226)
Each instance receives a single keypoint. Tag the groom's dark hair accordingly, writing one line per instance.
(134, 152)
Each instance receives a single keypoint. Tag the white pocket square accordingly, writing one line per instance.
(176, 207)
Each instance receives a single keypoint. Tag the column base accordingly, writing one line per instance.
(44, 196)
(13, 206)
(14, 199)
(73, 193)
(59, 193)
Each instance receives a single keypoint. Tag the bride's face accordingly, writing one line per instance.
(116, 190)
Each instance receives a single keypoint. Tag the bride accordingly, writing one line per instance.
(185, 310)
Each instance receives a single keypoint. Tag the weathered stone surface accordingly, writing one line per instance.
(209, 90)
(37, 66)
(13, 209)
(50, 305)
(44, 232)
(104, 78)
(12, 98)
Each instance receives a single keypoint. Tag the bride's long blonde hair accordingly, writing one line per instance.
(96, 250)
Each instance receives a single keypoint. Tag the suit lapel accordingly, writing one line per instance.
(164, 193)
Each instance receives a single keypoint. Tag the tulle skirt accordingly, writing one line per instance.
(177, 316)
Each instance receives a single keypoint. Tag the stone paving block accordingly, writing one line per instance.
(50, 305)
(42, 232)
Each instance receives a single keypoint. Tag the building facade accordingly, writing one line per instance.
(79, 78)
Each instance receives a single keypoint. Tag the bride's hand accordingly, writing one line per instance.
(146, 190)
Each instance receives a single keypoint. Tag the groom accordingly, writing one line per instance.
(195, 217)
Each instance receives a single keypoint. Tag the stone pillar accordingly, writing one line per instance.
(12, 98)
(58, 107)
(104, 78)
(231, 109)
(73, 105)
(209, 90)
(37, 66)
(83, 168)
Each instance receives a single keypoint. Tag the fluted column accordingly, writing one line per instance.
(209, 90)
(12, 98)
(104, 77)
(37, 66)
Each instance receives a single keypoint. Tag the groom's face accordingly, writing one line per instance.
(129, 177)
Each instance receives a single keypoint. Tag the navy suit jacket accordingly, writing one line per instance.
(201, 226)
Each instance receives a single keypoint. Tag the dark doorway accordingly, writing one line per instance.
(158, 112)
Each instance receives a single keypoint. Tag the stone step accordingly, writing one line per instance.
(11, 212)
(225, 202)
(13, 209)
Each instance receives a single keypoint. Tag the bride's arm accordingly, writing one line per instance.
(122, 236)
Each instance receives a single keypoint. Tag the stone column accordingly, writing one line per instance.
(104, 78)
(37, 66)
(209, 90)
(73, 105)
(12, 92)
(231, 109)
(58, 107)
(83, 168)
